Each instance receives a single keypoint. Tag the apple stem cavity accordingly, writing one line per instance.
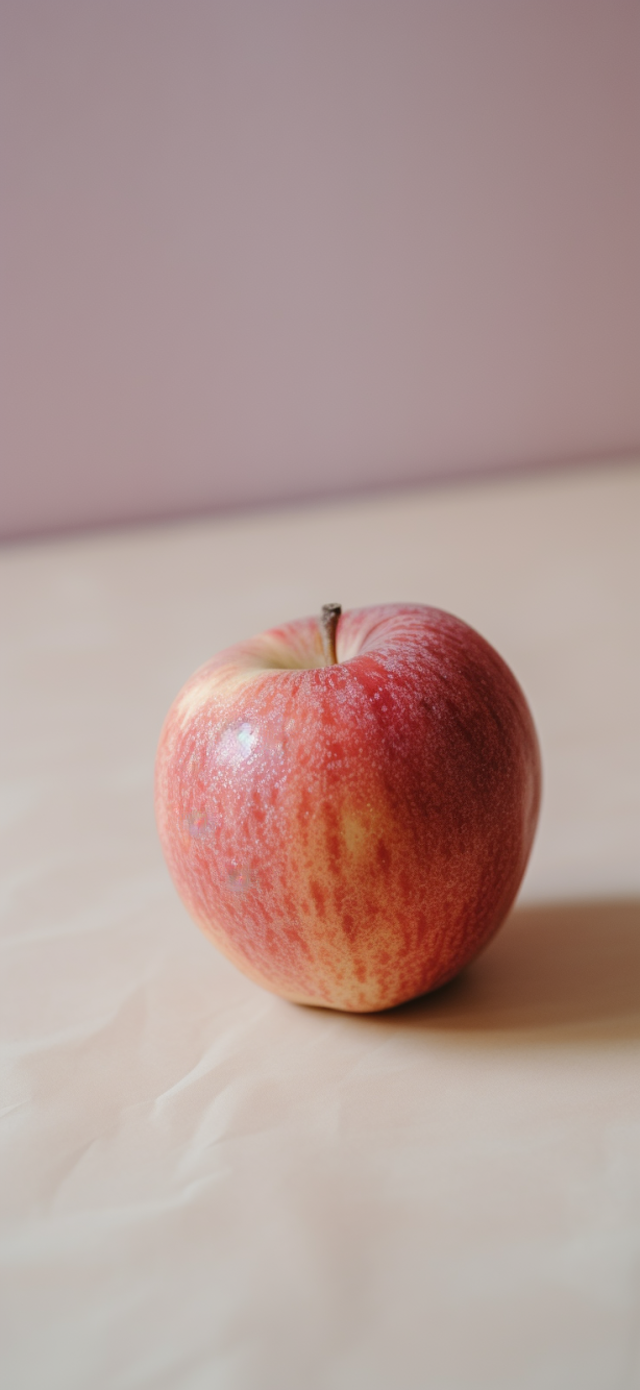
(328, 624)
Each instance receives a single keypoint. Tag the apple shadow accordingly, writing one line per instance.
(558, 969)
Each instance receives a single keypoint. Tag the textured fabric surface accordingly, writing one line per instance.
(203, 1186)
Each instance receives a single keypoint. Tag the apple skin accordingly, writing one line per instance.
(350, 835)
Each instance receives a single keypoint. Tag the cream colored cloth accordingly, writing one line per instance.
(204, 1187)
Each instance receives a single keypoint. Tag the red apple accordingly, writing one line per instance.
(349, 821)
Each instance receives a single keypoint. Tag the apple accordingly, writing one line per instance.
(347, 805)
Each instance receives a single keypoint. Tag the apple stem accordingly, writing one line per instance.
(328, 624)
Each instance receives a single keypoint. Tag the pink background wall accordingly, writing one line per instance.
(260, 249)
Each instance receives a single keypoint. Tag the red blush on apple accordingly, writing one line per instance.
(347, 804)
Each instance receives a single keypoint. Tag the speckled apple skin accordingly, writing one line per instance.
(350, 835)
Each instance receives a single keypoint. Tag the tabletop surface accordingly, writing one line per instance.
(204, 1186)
